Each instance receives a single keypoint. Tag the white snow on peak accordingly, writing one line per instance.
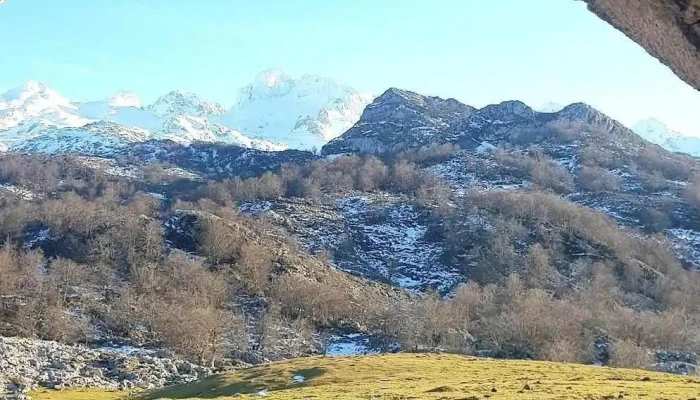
(659, 133)
(186, 129)
(303, 113)
(100, 138)
(124, 99)
(550, 107)
(33, 100)
(272, 113)
(179, 102)
(654, 131)
(28, 90)
(270, 83)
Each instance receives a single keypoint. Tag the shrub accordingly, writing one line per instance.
(653, 158)
(691, 193)
(596, 179)
(536, 166)
(628, 354)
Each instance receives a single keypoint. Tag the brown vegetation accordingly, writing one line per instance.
(546, 278)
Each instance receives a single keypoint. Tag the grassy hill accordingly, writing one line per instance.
(418, 376)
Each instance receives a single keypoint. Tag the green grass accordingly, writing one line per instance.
(417, 376)
(78, 394)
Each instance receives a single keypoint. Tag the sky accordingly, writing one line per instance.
(477, 51)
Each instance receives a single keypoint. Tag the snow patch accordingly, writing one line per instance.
(390, 242)
(255, 207)
(686, 242)
(485, 148)
(20, 192)
(36, 237)
(353, 344)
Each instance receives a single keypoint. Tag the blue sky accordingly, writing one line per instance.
(478, 51)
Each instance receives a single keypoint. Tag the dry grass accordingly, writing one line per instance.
(416, 376)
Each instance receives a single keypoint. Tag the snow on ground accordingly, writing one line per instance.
(377, 236)
(255, 207)
(470, 170)
(485, 148)
(20, 192)
(454, 173)
(157, 196)
(390, 242)
(317, 227)
(182, 173)
(687, 245)
(352, 344)
(127, 171)
(126, 350)
(110, 167)
(33, 238)
(569, 163)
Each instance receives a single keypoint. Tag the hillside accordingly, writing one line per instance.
(429, 225)
(419, 376)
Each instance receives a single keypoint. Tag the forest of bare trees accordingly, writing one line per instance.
(544, 278)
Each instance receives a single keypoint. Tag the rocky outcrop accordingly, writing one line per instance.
(668, 29)
(399, 119)
(27, 364)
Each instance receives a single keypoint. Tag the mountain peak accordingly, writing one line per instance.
(27, 90)
(32, 86)
(578, 109)
(33, 100)
(182, 102)
(274, 111)
(395, 94)
(507, 111)
(400, 119)
(124, 99)
(304, 113)
(272, 77)
(266, 84)
(655, 131)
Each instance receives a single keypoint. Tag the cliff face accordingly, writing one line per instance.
(668, 29)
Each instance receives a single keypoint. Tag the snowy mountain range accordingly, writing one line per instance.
(274, 112)
(657, 132)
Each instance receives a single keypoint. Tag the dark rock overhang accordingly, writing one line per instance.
(668, 29)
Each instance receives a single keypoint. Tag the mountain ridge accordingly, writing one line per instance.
(399, 120)
(657, 132)
(283, 113)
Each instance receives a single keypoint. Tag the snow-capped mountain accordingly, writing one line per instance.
(275, 112)
(34, 100)
(100, 138)
(550, 107)
(657, 132)
(185, 129)
(654, 131)
(184, 103)
(302, 113)
(125, 99)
